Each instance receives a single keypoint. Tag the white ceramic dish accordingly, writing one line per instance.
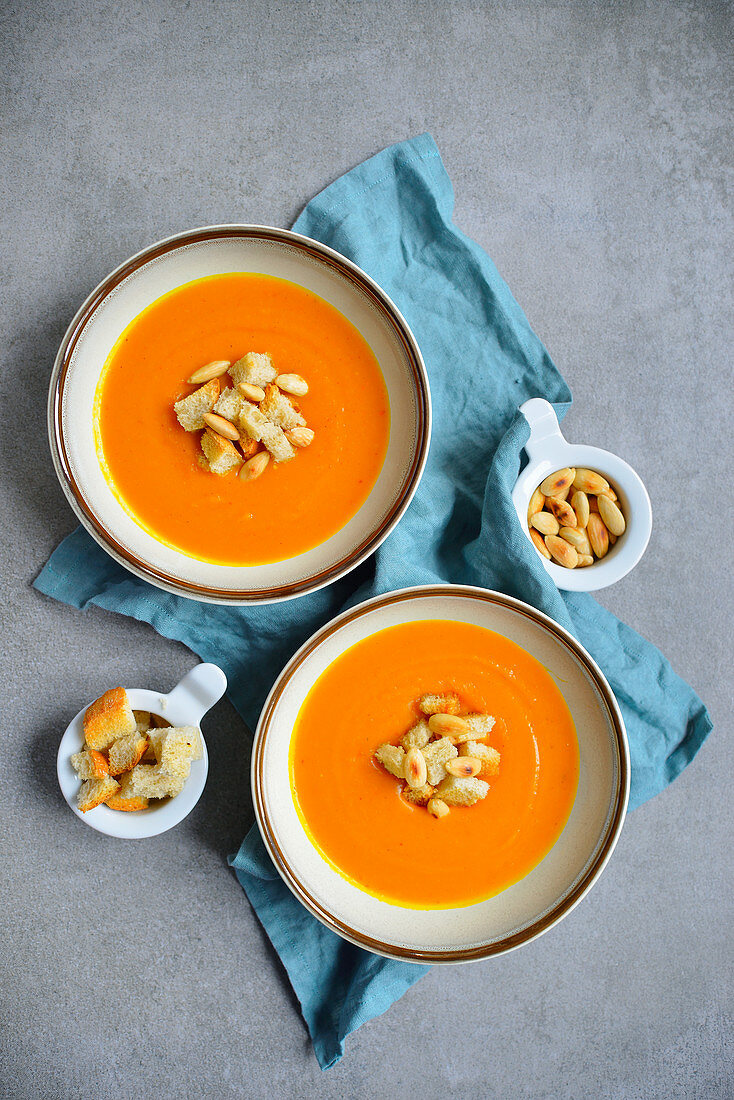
(161, 268)
(531, 906)
(186, 705)
(547, 451)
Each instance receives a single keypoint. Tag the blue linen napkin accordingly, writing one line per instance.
(392, 216)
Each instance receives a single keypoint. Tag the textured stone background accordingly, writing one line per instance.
(590, 148)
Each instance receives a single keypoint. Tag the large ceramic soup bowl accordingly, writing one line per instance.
(363, 851)
(139, 475)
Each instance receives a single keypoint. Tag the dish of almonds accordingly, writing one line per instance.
(574, 516)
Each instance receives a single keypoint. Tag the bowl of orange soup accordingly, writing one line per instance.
(482, 879)
(139, 482)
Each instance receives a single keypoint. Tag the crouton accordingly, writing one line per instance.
(448, 703)
(117, 802)
(255, 368)
(279, 410)
(252, 421)
(95, 791)
(487, 756)
(420, 796)
(221, 454)
(480, 725)
(275, 440)
(126, 752)
(392, 758)
(142, 721)
(436, 755)
(184, 738)
(90, 764)
(108, 718)
(148, 756)
(462, 792)
(149, 781)
(249, 448)
(417, 737)
(229, 405)
(190, 410)
(177, 750)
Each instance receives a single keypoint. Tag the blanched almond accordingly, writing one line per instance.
(437, 807)
(446, 724)
(215, 369)
(585, 559)
(546, 523)
(593, 506)
(611, 514)
(612, 539)
(577, 537)
(252, 393)
(556, 483)
(463, 767)
(598, 535)
(300, 436)
(563, 512)
(255, 466)
(221, 426)
(580, 505)
(588, 481)
(416, 771)
(537, 503)
(609, 493)
(538, 543)
(292, 383)
(562, 551)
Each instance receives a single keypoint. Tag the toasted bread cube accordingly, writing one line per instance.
(462, 792)
(420, 796)
(95, 791)
(117, 802)
(148, 756)
(436, 754)
(249, 447)
(448, 703)
(279, 409)
(392, 758)
(149, 781)
(142, 721)
(90, 764)
(108, 718)
(126, 752)
(488, 757)
(276, 442)
(256, 368)
(252, 421)
(481, 725)
(177, 749)
(229, 405)
(221, 454)
(190, 410)
(417, 736)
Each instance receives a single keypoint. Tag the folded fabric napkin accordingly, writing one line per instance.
(392, 216)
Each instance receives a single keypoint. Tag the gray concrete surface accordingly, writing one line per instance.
(590, 148)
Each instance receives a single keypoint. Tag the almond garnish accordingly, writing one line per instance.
(577, 538)
(580, 505)
(557, 483)
(463, 766)
(584, 560)
(416, 772)
(589, 481)
(563, 512)
(598, 535)
(546, 523)
(437, 807)
(562, 551)
(221, 426)
(446, 724)
(215, 369)
(255, 466)
(537, 503)
(300, 436)
(292, 383)
(252, 393)
(589, 522)
(612, 516)
(538, 543)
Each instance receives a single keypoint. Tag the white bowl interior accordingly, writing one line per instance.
(180, 265)
(156, 819)
(499, 922)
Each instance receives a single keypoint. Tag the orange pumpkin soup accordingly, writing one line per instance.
(153, 465)
(352, 809)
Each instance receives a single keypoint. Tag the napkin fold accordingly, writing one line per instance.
(392, 215)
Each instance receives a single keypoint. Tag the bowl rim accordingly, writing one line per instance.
(159, 577)
(620, 795)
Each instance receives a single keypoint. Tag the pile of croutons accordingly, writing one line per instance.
(130, 756)
(245, 425)
(442, 760)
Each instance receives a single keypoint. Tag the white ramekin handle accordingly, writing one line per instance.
(198, 691)
(543, 423)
